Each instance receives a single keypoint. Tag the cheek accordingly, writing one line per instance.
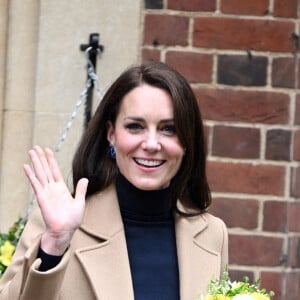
(176, 155)
(175, 149)
(125, 143)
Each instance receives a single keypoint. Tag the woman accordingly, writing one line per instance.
(143, 231)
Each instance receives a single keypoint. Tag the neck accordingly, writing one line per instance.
(141, 202)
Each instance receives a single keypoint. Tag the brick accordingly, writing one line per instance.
(293, 285)
(278, 145)
(296, 152)
(243, 106)
(236, 142)
(275, 216)
(150, 54)
(249, 34)
(294, 252)
(158, 30)
(294, 216)
(154, 4)
(254, 7)
(273, 281)
(192, 5)
(239, 275)
(245, 212)
(297, 112)
(196, 67)
(255, 250)
(246, 178)
(283, 72)
(286, 9)
(242, 70)
(207, 132)
(295, 182)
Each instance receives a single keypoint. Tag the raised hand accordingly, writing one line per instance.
(61, 212)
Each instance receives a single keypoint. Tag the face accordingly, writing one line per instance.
(148, 151)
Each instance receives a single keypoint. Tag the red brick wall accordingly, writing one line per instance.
(241, 58)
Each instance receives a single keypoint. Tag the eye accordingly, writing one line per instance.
(134, 127)
(169, 129)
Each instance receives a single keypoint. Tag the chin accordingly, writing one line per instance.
(149, 185)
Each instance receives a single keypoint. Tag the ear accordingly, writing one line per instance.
(110, 133)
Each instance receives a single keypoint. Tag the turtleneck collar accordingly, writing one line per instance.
(141, 203)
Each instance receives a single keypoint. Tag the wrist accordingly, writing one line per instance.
(55, 244)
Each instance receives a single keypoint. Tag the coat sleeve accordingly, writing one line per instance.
(22, 280)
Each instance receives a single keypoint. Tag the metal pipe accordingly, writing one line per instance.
(93, 50)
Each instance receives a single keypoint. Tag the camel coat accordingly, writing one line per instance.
(96, 265)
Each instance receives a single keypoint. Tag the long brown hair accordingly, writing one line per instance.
(92, 160)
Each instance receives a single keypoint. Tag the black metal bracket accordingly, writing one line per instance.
(93, 51)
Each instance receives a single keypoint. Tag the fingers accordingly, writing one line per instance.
(45, 165)
(55, 170)
(81, 189)
(38, 164)
(32, 178)
(45, 170)
(43, 159)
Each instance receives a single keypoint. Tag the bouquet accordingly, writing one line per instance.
(225, 289)
(8, 243)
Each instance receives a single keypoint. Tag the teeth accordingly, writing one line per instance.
(149, 163)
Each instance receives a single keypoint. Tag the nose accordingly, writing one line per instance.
(151, 142)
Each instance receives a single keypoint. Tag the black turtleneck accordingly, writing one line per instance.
(150, 236)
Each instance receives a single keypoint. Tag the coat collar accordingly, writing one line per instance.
(196, 260)
(102, 216)
(106, 260)
(103, 219)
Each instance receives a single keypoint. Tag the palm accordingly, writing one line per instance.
(60, 210)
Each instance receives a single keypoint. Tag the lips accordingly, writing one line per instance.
(149, 163)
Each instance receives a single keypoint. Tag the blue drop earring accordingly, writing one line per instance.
(112, 152)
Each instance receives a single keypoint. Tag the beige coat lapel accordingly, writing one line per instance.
(196, 259)
(106, 262)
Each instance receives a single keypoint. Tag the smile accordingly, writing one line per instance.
(149, 163)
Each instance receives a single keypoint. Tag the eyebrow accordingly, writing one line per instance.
(139, 119)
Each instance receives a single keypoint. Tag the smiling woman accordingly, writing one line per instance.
(135, 225)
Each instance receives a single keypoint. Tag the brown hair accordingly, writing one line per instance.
(92, 161)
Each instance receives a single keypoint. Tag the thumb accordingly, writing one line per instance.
(81, 189)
